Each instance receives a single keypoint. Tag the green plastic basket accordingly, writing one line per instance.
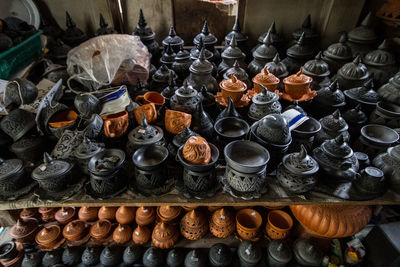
(20, 56)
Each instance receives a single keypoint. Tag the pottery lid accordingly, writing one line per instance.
(306, 28)
(381, 56)
(26, 144)
(169, 91)
(185, 91)
(162, 74)
(265, 77)
(275, 38)
(233, 51)
(194, 219)
(334, 122)
(300, 49)
(298, 78)
(181, 138)
(145, 133)
(308, 252)
(172, 38)
(220, 255)
(88, 148)
(169, 212)
(364, 94)
(279, 251)
(277, 68)
(339, 50)
(122, 231)
(100, 229)
(125, 213)
(142, 29)
(10, 167)
(48, 234)
(236, 33)
(337, 148)
(195, 258)
(331, 95)
(300, 162)
(141, 233)
(365, 32)
(222, 217)
(27, 213)
(249, 252)
(208, 38)
(355, 115)
(265, 51)
(201, 65)
(394, 152)
(24, 227)
(265, 97)
(74, 229)
(51, 168)
(65, 214)
(195, 51)
(168, 55)
(316, 67)
(182, 55)
(164, 232)
(274, 129)
(144, 213)
(233, 84)
(153, 257)
(132, 254)
(355, 70)
(88, 213)
(240, 73)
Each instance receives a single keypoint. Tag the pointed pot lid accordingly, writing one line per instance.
(207, 37)
(265, 78)
(300, 163)
(229, 111)
(380, 56)
(298, 78)
(331, 95)
(169, 91)
(233, 51)
(277, 68)
(168, 55)
(195, 51)
(181, 138)
(240, 73)
(173, 39)
(222, 217)
(334, 122)
(201, 65)
(206, 97)
(74, 229)
(233, 84)
(163, 232)
(306, 27)
(65, 214)
(316, 67)
(365, 32)
(142, 29)
(275, 38)
(51, 168)
(220, 255)
(88, 149)
(249, 252)
(339, 50)
(100, 229)
(194, 219)
(169, 212)
(337, 148)
(355, 115)
(265, 97)
(48, 234)
(186, 91)
(355, 70)
(10, 167)
(182, 55)
(195, 258)
(145, 133)
(236, 33)
(279, 251)
(24, 228)
(266, 51)
(308, 252)
(162, 74)
(300, 49)
(364, 94)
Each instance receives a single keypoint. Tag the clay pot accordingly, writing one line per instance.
(297, 86)
(141, 235)
(63, 118)
(88, 214)
(47, 214)
(49, 237)
(122, 234)
(176, 121)
(76, 232)
(65, 215)
(278, 225)
(151, 97)
(222, 223)
(197, 151)
(115, 125)
(194, 225)
(29, 213)
(24, 231)
(168, 213)
(266, 79)
(145, 216)
(149, 110)
(107, 213)
(101, 231)
(233, 88)
(164, 235)
(248, 223)
(125, 215)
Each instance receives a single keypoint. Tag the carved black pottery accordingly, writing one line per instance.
(104, 29)
(185, 99)
(179, 140)
(202, 122)
(363, 38)
(220, 255)
(91, 256)
(389, 163)
(370, 183)
(249, 253)
(153, 257)
(55, 72)
(147, 36)
(231, 54)
(276, 40)
(337, 54)
(182, 64)
(160, 78)
(111, 256)
(231, 129)
(364, 95)
(85, 151)
(209, 40)
(173, 40)
(279, 254)
(12, 175)
(352, 74)
(20, 92)
(390, 92)
(72, 256)
(306, 253)
(175, 257)
(195, 258)
(262, 55)
(332, 126)
(298, 55)
(32, 259)
(229, 111)
(386, 113)
(17, 123)
(52, 258)
(87, 104)
(131, 255)
(29, 149)
(319, 71)
(73, 36)
(263, 104)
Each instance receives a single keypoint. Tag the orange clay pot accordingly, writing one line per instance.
(164, 235)
(278, 225)
(332, 221)
(267, 79)
(233, 88)
(197, 151)
(222, 223)
(115, 125)
(47, 214)
(151, 97)
(107, 213)
(29, 213)
(63, 118)
(65, 215)
(24, 231)
(125, 215)
(101, 231)
(149, 110)
(248, 223)
(88, 214)
(297, 85)
(145, 216)
(168, 213)
(194, 225)
(75, 230)
(141, 235)
(175, 121)
(49, 237)
(122, 234)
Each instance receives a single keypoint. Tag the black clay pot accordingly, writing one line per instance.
(111, 256)
(33, 259)
(91, 256)
(175, 257)
(51, 258)
(17, 123)
(132, 255)
(153, 257)
(72, 256)
(8, 251)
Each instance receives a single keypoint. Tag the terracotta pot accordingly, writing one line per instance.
(222, 223)
(75, 230)
(107, 213)
(332, 221)
(47, 214)
(164, 235)
(248, 223)
(65, 215)
(194, 225)
(233, 88)
(189, 208)
(278, 225)
(267, 79)
(101, 231)
(149, 110)
(151, 97)
(49, 237)
(29, 213)
(141, 235)
(125, 215)
(88, 214)
(145, 216)
(197, 151)
(168, 213)
(24, 231)
(122, 234)
(176, 121)
(297, 85)
(115, 125)
(63, 118)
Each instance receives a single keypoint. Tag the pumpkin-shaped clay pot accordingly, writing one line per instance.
(65, 215)
(141, 235)
(168, 213)
(145, 216)
(332, 221)
(164, 235)
(76, 232)
(125, 215)
(194, 225)
(49, 237)
(122, 234)
(107, 213)
(88, 214)
(101, 232)
(222, 223)
(197, 151)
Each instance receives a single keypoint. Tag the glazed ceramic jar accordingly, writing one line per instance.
(85, 151)
(10, 256)
(76, 233)
(141, 235)
(209, 40)
(390, 91)
(222, 223)
(145, 216)
(364, 95)
(297, 87)
(101, 232)
(306, 253)
(160, 78)
(125, 215)
(12, 176)
(164, 235)
(279, 224)
(220, 255)
(279, 254)
(389, 163)
(332, 126)
(264, 103)
(232, 88)
(173, 40)
(87, 105)
(24, 231)
(298, 54)
(107, 213)
(231, 54)
(88, 214)
(239, 37)
(17, 123)
(194, 225)
(337, 54)
(147, 36)
(248, 223)
(168, 213)
(195, 258)
(249, 254)
(267, 79)
(239, 72)
(262, 55)
(122, 234)
(65, 215)
(318, 70)
(185, 99)
(182, 64)
(328, 99)
(298, 172)
(352, 74)
(49, 237)
(363, 38)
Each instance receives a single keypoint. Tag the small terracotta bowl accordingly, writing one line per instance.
(278, 225)
(149, 110)
(115, 125)
(63, 118)
(248, 223)
(151, 97)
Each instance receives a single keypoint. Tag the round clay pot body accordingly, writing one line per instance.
(107, 213)
(278, 225)
(248, 223)
(222, 223)
(125, 215)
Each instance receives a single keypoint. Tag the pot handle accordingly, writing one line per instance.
(107, 131)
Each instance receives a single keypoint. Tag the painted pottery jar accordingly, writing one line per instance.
(364, 95)
(262, 55)
(318, 70)
(233, 88)
(363, 38)
(17, 123)
(356, 119)
(202, 122)
(110, 256)
(107, 213)
(176, 257)
(101, 232)
(185, 99)
(131, 255)
(328, 99)
(298, 55)
(306, 253)
(390, 91)
(194, 225)
(209, 40)
(276, 40)
(231, 54)
(239, 37)
(141, 235)
(173, 40)
(125, 215)
(297, 87)
(85, 151)
(20, 91)
(176, 121)
(153, 257)
(88, 214)
(352, 74)
(222, 223)
(65, 215)
(147, 36)
(249, 253)
(24, 231)
(160, 78)
(71, 256)
(248, 224)
(168, 213)
(298, 172)
(76, 233)
(73, 36)
(122, 234)
(179, 140)
(387, 114)
(338, 54)
(195, 258)
(389, 163)
(12, 176)
(267, 79)
(239, 72)
(182, 64)
(279, 224)
(278, 69)
(49, 237)
(145, 216)
(279, 254)
(332, 126)
(168, 56)
(220, 255)
(264, 103)
(164, 235)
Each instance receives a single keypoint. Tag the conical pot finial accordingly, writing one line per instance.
(340, 139)
(336, 114)
(233, 42)
(233, 78)
(169, 50)
(300, 71)
(367, 21)
(103, 23)
(266, 71)
(307, 22)
(163, 226)
(200, 45)
(142, 21)
(143, 123)
(318, 56)
(202, 56)
(267, 39)
(172, 31)
(272, 28)
(236, 26)
(343, 37)
(69, 22)
(164, 67)
(171, 81)
(186, 131)
(334, 86)
(236, 64)
(263, 89)
(369, 84)
(301, 40)
(47, 159)
(276, 58)
(357, 60)
(303, 152)
(205, 29)
(384, 45)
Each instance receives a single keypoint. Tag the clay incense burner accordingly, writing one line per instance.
(278, 224)
(24, 231)
(194, 225)
(141, 235)
(101, 232)
(297, 87)
(65, 215)
(145, 216)
(168, 213)
(222, 223)
(248, 223)
(122, 234)
(266, 79)
(76, 233)
(164, 235)
(107, 213)
(88, 214)
(125, 215)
